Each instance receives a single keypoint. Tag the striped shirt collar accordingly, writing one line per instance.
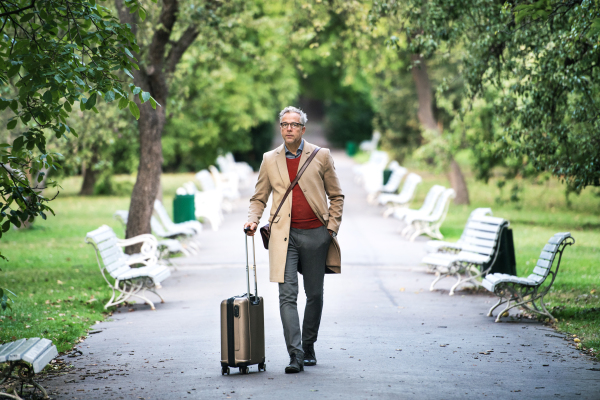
(290, 155)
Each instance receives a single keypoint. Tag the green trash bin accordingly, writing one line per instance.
(184, 208)
(386, 175)
(351, 148)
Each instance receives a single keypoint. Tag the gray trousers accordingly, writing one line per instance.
(307, 247)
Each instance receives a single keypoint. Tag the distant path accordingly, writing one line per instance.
(383, 335)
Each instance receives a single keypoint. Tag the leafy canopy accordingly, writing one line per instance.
(55, 55)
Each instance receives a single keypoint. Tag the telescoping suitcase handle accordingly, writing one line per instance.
(248, 268)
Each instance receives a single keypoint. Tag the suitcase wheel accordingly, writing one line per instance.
(262, 366)
(225, 370)
(244, 370)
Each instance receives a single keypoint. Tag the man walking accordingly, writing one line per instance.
(303, 234)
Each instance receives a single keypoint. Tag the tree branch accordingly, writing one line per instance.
(168, 16)
(177, 50)
(19, 10)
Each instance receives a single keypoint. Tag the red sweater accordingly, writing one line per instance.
(303, 216)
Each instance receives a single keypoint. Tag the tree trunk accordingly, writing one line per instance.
(152, 78)
(90, 176)
(146, 186)
(458, 183)
(427, 119)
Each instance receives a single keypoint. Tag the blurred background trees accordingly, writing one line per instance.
(496, 89)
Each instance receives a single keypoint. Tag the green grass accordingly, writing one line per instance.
(541, 213)
(60, 291)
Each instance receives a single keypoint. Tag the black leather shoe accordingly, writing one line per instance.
(309, 355)
(296, 363)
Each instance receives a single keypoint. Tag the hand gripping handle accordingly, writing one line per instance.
(248, 267)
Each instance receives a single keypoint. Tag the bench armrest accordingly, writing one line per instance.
(149, 246)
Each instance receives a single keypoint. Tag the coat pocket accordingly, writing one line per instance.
(277, 219)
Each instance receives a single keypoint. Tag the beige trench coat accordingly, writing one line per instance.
(318, 183)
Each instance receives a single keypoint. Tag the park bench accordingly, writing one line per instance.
(370, 145)
(228, 184)
(187, 227)
(392, 185)
(372, 169)
(524, 292)
(418, 224)
(400, 200)
(426, 208)
(165, 246)
(227, 164)
(114, 264)
(441, 246)
(23, 359)
(208, 203)
(211, 194)
(478, 253)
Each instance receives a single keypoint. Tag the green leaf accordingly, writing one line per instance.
(17, 144)
(135, 111)
(27, 17)
(12, 124)
(91, 102)
(6, 226)
(47, 97)
(153, 103)
(145, 97)
(109, 96)
(137, 90)
(67, 106)
(123, 102)
(142, 13)
(128, 52)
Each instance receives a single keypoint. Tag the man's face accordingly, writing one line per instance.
(292, 136)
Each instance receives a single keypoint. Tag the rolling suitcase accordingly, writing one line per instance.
(243, 327)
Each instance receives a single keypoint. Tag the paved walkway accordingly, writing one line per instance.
(383, 335)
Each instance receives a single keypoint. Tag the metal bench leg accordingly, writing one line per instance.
(500, 302)
(438, 276)
(156, 293)
(508, 307)
(458, 282)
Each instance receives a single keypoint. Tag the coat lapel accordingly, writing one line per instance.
(308, 149)
(282, 166)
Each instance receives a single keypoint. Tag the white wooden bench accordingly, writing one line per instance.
(477, 255)
(372, 170)
(441, 246)
(187, 227)
(417, 224)
(23, 359)
(428, 204)
(208, 203)
(128, 282)
(392, 185)
(524, 292)
(396, 201)
(165, 246)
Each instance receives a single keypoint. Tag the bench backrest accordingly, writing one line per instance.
(393, 183)
(430, 199)
(549, 252)
(163, 216)
(105, 241)
(379, 159)
(441, 206)
(482, 211)
(409, 187)
(482, 234)
(206, 180)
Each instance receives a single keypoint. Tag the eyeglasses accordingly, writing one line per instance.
(285, 125)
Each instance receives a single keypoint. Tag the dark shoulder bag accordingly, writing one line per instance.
(265, 231)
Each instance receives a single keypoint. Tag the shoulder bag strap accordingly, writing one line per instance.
(304, 166)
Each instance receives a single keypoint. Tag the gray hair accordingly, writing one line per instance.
(303, 119)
